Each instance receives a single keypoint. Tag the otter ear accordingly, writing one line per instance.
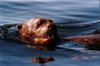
(50, 20)
(19, 26)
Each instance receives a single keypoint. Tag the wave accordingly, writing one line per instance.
(77, 25)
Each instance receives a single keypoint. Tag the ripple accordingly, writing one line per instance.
(59, 11)
(83, 24)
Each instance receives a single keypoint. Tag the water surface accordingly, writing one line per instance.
(64, 13)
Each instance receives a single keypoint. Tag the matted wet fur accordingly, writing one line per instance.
(38, 31)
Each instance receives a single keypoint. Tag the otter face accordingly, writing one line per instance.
(38, 31)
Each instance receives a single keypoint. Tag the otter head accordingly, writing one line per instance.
(38, 31)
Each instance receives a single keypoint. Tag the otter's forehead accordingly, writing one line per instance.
(31, 22)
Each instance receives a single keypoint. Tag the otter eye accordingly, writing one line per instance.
(19, 26)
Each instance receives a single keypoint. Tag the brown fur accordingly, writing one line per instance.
(37, 31)
(90, 41)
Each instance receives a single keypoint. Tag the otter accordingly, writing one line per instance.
(42, 31)
(38, 31)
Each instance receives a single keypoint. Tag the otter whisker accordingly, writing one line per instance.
(32, 37)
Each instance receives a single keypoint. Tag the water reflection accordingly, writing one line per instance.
(41, 60)
(46, 48)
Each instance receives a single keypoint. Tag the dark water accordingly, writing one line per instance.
(66, 14)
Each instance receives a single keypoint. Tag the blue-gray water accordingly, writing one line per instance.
(65, 14)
